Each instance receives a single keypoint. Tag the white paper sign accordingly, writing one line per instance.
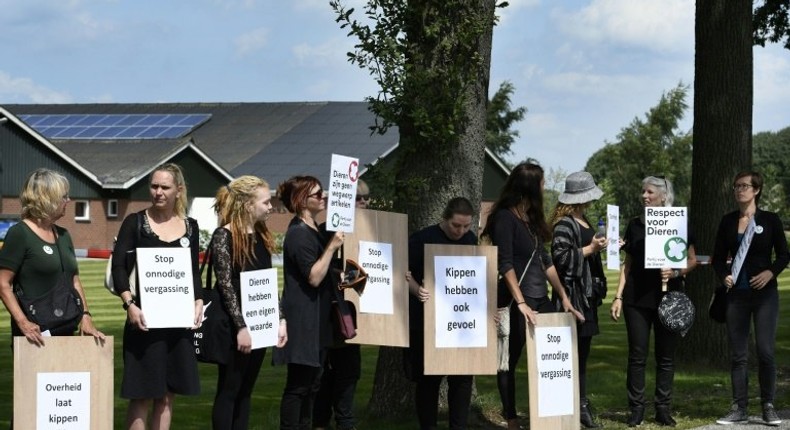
(63, 400)
(613, 237)
(259, 306)
(166, 287)
(376, 259)
(342, 194)
(666, 237)
(461, 302)
(554, 349)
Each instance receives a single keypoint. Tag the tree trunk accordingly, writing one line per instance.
(723, 94)
(432, 176)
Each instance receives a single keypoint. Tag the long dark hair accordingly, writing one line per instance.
(523, 192)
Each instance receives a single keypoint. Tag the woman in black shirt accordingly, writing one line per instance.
(517, 226)
(242, 243)
(639, 293)
(306, 298)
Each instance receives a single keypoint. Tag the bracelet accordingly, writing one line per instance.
(521, 303)
(618, 298)
(87, 313)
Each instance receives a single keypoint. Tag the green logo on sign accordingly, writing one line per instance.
(675, 249)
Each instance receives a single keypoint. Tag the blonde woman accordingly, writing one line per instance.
(37, 252)
(242, 243)
(158, 363)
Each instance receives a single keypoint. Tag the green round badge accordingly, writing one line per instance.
(675, 249)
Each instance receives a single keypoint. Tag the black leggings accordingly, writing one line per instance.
(506, 381)
(235, 382)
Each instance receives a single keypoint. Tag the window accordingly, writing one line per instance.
(82, 210)
(112, 208)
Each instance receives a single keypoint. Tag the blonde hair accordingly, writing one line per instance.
(42, 194)
(232, 205)
(182, 202)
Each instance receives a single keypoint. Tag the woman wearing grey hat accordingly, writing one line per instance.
(575, 248)
(639, 293)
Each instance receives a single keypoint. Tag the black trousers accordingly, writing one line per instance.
(761, 306)
(338, 384)
(459, 397)
(235, 381)
(638, 322)
(506, 381)
(296, 406)
(583, 346)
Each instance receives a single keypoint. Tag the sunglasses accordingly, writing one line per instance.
(361, 197)
(318, 194)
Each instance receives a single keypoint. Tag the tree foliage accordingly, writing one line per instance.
(772, 160)
(500, 119)
(431, 60)
(772, 22)
(651, 146)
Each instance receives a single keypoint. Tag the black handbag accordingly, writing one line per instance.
(213, 339)
(676, 312)
(60, 309)
(717, 309)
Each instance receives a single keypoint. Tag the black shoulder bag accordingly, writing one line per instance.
(213, 339)
(60, 309)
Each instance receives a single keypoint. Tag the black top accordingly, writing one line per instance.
(768, 237)
(307, 307)
(417, 241)
(125, 245)
(515, 243)
(229, 275)
(643, 286)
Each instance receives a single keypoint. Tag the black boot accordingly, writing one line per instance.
(637, 416)
(664, 416)
(586, 414)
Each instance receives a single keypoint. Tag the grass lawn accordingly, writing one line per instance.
(701, 394)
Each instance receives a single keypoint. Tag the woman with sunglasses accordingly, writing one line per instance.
(306, 298)
(342, 369)
(639, 293)
(749, 236)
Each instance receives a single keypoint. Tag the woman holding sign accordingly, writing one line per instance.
(37, 254)
(749, 236)
(575, 249)
(306, 297)
(242, 243)
(158, 363)
(639, 293)
(517, 226)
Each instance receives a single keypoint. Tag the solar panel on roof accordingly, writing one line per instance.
(115, 126)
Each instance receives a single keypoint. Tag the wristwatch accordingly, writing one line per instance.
(128, 303)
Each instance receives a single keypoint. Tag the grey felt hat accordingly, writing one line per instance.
(580, 188)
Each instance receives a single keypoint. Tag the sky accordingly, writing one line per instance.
(583, 69)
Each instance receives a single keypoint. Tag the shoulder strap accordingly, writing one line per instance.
(60, 251)
(207, 260)
(534, 250)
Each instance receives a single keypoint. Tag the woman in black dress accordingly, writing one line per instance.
(307, 257)
(242, 243)
(158, 363)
